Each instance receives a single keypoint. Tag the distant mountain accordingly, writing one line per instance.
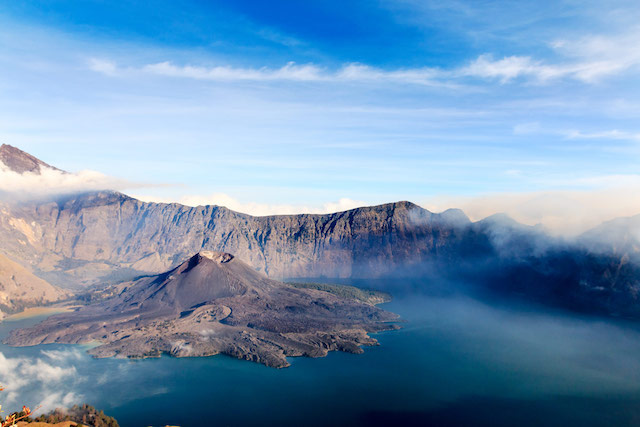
(214, 303)
(620, 236)
(19, 288)
(20, 162)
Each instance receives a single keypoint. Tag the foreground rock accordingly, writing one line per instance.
(43, 424)
(83, 415)
(214, 303)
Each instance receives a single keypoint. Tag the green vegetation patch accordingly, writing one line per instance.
(367, 296)
(85, 415)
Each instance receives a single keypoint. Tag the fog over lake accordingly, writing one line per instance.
(456, 360)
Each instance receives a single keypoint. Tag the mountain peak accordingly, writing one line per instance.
(21, 162)
(219, 257)
(455, 216)
(405, 204)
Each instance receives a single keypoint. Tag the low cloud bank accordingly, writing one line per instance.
(562, 213)
(46, 381)
(53, 182)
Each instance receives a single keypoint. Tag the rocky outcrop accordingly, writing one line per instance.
(214, 303)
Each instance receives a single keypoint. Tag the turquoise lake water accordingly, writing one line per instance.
(456, 362)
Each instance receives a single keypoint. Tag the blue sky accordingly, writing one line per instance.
(291, 106)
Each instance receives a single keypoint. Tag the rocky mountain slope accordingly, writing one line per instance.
(19, 288)
(214, 303)
(88, 237)
(20, 162)
(106, 236)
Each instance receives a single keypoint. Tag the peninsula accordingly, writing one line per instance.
(215, 303)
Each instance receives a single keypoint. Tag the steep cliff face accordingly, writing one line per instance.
(91, 235)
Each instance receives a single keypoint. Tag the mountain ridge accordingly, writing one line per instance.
(110, 229)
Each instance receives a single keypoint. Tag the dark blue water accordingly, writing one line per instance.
(456, 362)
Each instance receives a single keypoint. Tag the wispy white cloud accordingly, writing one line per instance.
(609, 134)
(63, 355)
(50, 383)
(612, 134)
(290, 71)
(58, 399)
(352, 72)
(505, 69)
(51, 181)
(103, 66)
(587, 59)
(423, 76)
